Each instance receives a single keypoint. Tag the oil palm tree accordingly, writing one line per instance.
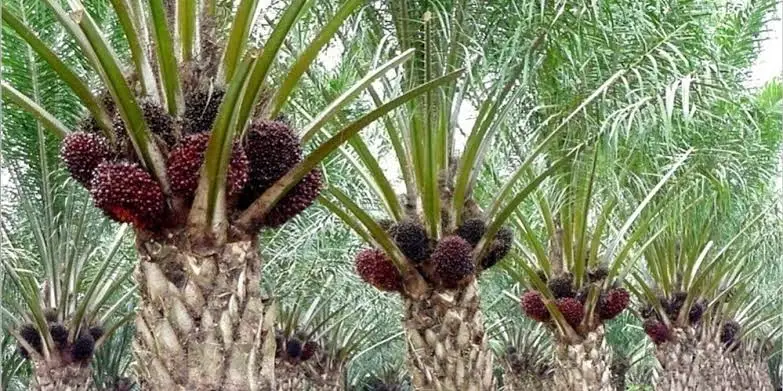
(701, 308)
(67, 293)
(184, 143)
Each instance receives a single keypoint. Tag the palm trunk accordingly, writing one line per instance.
(752, 373)
(203, 324)
(693, 365)
(584, 366)
(51, 376)
(446, 349)
(305, 376)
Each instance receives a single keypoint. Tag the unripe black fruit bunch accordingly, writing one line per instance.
(81, 349)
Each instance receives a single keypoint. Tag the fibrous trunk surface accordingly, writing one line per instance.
(203, 324)
(692, 364)
(304, 376)
(584, 366)
(59, 377)
(446, 349)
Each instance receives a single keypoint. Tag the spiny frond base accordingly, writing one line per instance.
(203, 323)
(584, 366)
(50, 376)
(690, 364)
(446, 347)
(309, 376)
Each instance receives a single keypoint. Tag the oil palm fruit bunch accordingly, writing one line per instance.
(697, 295)
(183, 143)
(316, 338)
(58, 325)
(573, 281)
(524, 350)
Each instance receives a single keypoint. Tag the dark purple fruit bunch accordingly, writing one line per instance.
(295, 201)
(656, 330)
(573, 311)
(453, 262)
(375, 268)
(697, 311)
(309, 349)
(472, 230)
(201, 109)
(82, 153)
(59, 335)
(612, 303)
(675, 304)
(562, 286)
(96, 332)
(30, 334)
(183, 166)
(598, 274)
(83, 347)
(128, 194)
(412, 240)
(729, 333)
(272, 148)
(498, 249)
(158, 120)
(534, 307)
(293, 348)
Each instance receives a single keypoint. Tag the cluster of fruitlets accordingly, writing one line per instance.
(571, 303)
(294, 349)
(447, 263)
(126, 191)
(80, 349)
(654, 325)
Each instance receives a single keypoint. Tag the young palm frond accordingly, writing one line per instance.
(525, 352)
(112, 365)
(188, 148)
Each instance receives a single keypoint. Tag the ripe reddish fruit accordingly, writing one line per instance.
(128, 194)
(573, 311)
(534, 307)
(82, 153)
(375, 268)
(453, 261)
(186, 158)
(272, 149)
(308, 350)
(657, 331)
(613, 303)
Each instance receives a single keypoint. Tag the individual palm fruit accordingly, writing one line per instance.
(613, 303)
(598, 274)
(309, 349)
(293, 348)
(295, 201)
(375, 268)
(573, 311)
(83, 347)
(30, 334)
(96, 332)
(82, 153)
(472, 230)
(412, 240)
(562, 286)
(498, 249)
(696, 311)
(272, 148)
(201, 109)
(534, 306)
(183, 166)
(729, 332)
(453, 261)
(657, 331)
(675, 304)
(128, 194)
(59, 335)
